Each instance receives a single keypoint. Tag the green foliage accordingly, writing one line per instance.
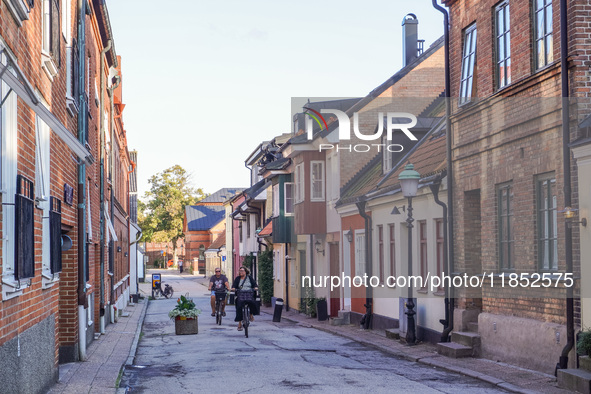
(185, 307)
(247, 263)
(161, 214)
(584, 343)
(309, 301)
(266, 276)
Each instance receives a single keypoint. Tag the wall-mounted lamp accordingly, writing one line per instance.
(349, 235)
(118, 248)
(125, 254)
(319, 247)
(569, 215)
(396, 211)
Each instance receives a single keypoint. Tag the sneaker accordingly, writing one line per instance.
(251, 317)
(224, 314)
(213, 314)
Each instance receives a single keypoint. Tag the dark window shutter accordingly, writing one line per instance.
(24, 229)
(75, 70)
(55, 235)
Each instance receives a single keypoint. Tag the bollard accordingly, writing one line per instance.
(322, 310)
(278, 309)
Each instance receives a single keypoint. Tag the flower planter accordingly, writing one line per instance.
(186, 326)
(585, 363)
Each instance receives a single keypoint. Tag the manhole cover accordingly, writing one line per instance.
(218, 328)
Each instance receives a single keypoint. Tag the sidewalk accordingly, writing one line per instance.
(106, 356)
(508, 377)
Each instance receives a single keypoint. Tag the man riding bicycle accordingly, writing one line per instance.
(218, 282)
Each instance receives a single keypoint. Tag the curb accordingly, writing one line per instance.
(138, 332)
(425, 360)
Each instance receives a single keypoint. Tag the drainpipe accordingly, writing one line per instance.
(287, 258)
(82, 128)
(450, 179)
(448, 320)
(102, 185)
(568, 235)
(112, 197)
(368, 262)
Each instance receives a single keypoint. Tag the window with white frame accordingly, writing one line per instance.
(360, 268)
(50, 37)
(468, 80)
(317, 180)
(503, 44)
(67, 20)
(543, 47)
(288, 203)
(299, 183)
(276, 199)
(19, 9)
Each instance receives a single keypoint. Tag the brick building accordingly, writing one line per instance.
(508, 166)
(53, 113)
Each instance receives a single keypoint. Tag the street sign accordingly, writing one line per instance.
(156, 278)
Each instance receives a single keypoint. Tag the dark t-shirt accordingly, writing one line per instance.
(218, 283)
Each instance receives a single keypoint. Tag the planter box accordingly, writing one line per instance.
(585, 363)
(184, 326)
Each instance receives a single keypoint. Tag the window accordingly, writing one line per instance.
(423, 250)
(73, 74)
(503, 44)
(317, 181)
(20, 9)
(240, 232)
(505, 230)
(386, 156)
(67, 20)
(248, 227)
(360, 269)
(381, 251)
(51, 37)
(547, 227)
(467, 83)
(299, 183)
(275, 197)
(543, 47)
(439, 230)
(42, 172)
(24, 229)
(288, 204)
(392, 251)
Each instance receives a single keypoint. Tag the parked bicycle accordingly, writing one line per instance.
(220, 297)
(166, 293)
(245, 297)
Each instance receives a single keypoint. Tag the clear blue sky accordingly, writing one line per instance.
(206, 81)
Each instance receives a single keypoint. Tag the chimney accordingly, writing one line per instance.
(410, 39)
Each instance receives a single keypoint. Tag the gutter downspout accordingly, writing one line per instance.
(368, 262)
(287, 258)
(82, 185)
(112, 197)
(447, 327)
(102, 186)
(450, 179)
(568, 234)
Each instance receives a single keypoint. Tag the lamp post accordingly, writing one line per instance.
(409, 182)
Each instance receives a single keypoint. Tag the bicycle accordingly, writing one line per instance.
(246, 296)
(166, 293)
(220, 297)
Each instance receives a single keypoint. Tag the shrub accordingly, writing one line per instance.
(584, 343)
(266, 276)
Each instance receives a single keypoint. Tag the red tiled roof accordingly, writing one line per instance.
(219, 241)
(267, 230)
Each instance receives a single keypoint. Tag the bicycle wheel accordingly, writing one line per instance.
(245, 319)
(168, 292)
(218, 312)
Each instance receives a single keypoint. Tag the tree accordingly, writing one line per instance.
(161, 214)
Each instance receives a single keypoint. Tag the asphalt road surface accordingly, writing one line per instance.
(277, 357)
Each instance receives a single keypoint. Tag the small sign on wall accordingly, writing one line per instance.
(68, 194)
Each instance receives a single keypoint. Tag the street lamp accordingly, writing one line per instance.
(409, 182)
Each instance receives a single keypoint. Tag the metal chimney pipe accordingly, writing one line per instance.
(410, 39)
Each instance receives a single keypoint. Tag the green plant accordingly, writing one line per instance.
(248, 260)
(584, 343)
(266, 276)
(308, 302)
(185, 307)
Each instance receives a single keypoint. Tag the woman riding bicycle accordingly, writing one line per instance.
(245, 283)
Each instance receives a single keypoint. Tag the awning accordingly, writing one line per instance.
(267, 231)
(19, 84)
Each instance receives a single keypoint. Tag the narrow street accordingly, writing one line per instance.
(277, 357)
